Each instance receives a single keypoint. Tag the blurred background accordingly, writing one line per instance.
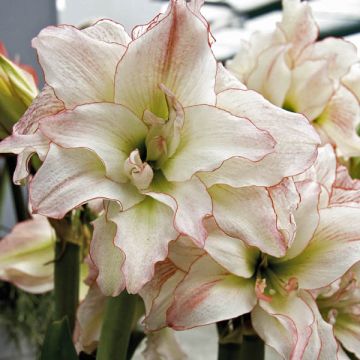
(230, 21)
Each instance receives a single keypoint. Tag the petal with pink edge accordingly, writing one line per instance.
(336, 241)
(209, 137)
(190, 203)
(199, 299)
(293, 135)
(80, 178)
(143, 234)
(174, 51)
(112, 140)
(78, 67)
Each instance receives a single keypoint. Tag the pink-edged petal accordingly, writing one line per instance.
(311, 89)
(143, 234)
(80, 178)
(352, 80)
(293, 135)
(199, 299)
(258, 225)
(284, 324)
(226, 80)
(298, 26)
(108, 31)
(306, 217)
(107, 257)
(78, 67)
(163, 344)
(231, 253)
(173, 51)
(339, 54)
(190, 203)
(336, 241)
(204, 146)
(90, 315)
(322, 344)
(26, 254)
(272, 76)
(110, 130)
(339, 121)
(323, 171)
(159, 291)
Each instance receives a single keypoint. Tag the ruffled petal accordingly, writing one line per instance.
(174, 51)
(78, 67)
(190, 203)
(112, 140)
(55, 189)
(336, 241)
(143, 234)
(199, 299)
(209, 137)
(293, 135)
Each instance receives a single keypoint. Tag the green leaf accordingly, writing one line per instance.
(58, 344)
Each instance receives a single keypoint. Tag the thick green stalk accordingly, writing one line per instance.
(230, 351)
(252, 348)
(67, 273)
(18, 196)
(116, 328)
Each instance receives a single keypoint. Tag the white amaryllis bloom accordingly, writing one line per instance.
(27, 255)
(312, 220)
(296, 72)
(148, 122)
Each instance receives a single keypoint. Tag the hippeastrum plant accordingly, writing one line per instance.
(27, 255)
(293, 70)
(147, 122)
(17, 90)
(311, 223)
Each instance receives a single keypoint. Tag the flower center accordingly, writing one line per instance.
(161, 142)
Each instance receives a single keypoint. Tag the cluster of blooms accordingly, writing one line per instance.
(217, 202)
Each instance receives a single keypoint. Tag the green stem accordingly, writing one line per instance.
(116, 328)
(18, 196)
(67, 273)
(252, 348)
(229, 351)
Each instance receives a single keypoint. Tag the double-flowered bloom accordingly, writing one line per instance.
(320, 79)
(149, 123)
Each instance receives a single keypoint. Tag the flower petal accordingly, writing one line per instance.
(347, 330)
(271, 76)
(174, 51)
(81, 177)
(336, 241)
(26, 255)
(226, 80)
(112, 140)
(78, 67)
(231, 253)
(284, 323)
(204, 146)
(199, 299)
(257, 226)
(143, 234)
(108, 31)
(163, 344)
(103, 252)
(292, 133)
(190, 203)
(340, 120)
(306, 217)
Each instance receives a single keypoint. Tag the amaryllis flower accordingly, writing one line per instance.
(296, 237)
(339, 305)
(149, 121)
(294, 71)
(27, 255)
